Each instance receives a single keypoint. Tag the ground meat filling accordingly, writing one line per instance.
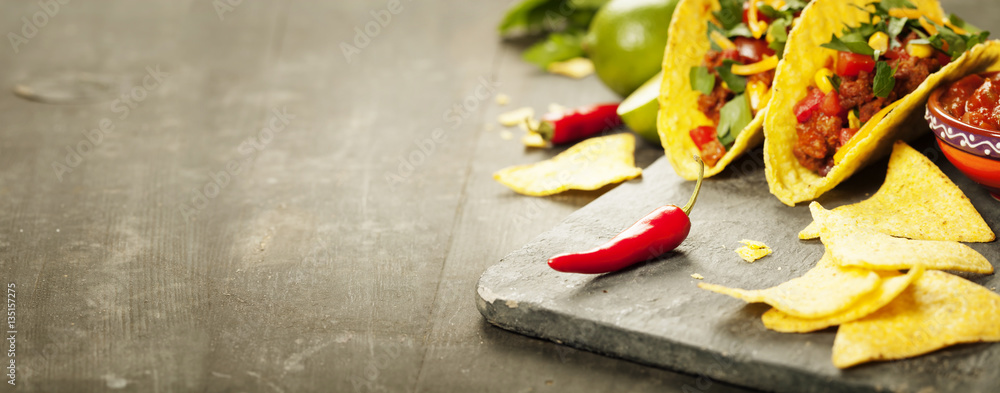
(711, 104)
(822, 135)
(819, 138)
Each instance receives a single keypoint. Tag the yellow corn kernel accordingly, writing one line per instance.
(777, 4)
(823, 80)
(956, 29)
(853, 121)
(927, 26)
(879, 41)
(905, 13)
(922, 51)
(757, 91)
(769, 63)
(722, 41)
(876, 19)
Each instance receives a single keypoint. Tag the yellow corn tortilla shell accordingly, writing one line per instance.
(790, 181)
(893, 283)
(824, 290)
(867, 248)
(686, 47)
(588, 165)
(917, 201)
(936, 311)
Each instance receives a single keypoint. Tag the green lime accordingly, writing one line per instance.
(639, 110)
(626, 41)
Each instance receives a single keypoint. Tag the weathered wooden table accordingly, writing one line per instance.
(276, 196)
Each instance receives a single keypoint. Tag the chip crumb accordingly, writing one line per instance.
(516, 116)
(753, 250)
(502, 99)
(697, 276)
(506, 135)
(576, 68)
(533, 139)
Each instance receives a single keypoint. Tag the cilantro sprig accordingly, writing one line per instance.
(946, 39)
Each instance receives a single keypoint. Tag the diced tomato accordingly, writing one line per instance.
(703, 135)
(850, 64)
(898, 52)
(942, 58)
(831, 104)
(752, 50)
(805, 108)
(845, 135)
(746, 14)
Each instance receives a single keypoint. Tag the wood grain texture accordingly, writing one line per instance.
(311, 268)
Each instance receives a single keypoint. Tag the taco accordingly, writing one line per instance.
(717, 75)
(853, 81)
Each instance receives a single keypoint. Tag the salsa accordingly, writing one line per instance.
(876, 64)
(975, 100)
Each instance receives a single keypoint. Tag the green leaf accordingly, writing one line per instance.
(955, 20)
(778, 31)
(737, 84)
(556, 47)
(702, 80)
(884, 79)
(835, 81)
(850, 43)
(894, 28)
(730, 14)
(733, 118)
(890, 4)
(537, 16)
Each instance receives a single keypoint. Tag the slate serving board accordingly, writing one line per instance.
(653, 313)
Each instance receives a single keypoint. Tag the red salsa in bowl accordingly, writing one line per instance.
(965, 119)
(974, 100)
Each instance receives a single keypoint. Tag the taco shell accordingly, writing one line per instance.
(790, 181)
(686, 47)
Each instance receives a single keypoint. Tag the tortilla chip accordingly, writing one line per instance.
(679, 114)
(893, 283)
(516, 116)
(867, 248)
(753, 250)
(824, 290)
(936, 311)
(917, 201)
(576, 68)
(790, 181)
(588, 165)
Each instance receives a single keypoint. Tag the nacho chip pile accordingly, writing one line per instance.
(882, 313)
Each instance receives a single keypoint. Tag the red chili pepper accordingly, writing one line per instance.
(658, 232)
(579, 123)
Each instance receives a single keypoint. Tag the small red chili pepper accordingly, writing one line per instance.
(578, 124)
(658, 232)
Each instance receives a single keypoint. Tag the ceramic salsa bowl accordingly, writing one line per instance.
(973, 150)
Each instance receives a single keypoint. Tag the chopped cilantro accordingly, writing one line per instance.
(733, 118)
(730, 14)
(702, 80)
(737, 84)
(835, 81)
(850, 43)
(884, 79)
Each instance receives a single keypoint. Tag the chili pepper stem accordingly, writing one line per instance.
(544, 128)
(697, 187)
